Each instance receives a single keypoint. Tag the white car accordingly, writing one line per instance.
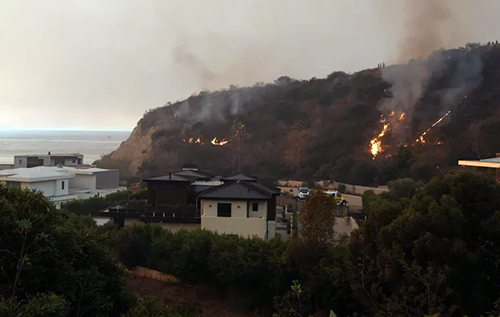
(303, 192)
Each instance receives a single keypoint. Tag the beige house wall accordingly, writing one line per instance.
(238, 208)
(238, 223)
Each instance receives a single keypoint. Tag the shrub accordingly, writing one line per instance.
(44, 252)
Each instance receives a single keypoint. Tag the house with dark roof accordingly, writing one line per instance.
(180, 188)
(241, 206)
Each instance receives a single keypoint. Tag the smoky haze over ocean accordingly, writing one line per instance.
(92, 144)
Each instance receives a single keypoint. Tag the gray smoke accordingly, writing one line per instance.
(191, 62)
(420, 47)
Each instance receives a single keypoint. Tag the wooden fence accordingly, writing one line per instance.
(283, 201)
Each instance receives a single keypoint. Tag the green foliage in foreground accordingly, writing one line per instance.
(252, 272)
(433, 249)
(422, 250)
(46, 258)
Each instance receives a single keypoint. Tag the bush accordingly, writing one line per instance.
(46, 251)
(231, 263)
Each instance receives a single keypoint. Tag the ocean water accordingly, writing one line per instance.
(92, 144)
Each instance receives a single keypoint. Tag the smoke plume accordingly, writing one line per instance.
(420, 47)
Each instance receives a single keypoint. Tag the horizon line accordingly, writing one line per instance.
(64, 129)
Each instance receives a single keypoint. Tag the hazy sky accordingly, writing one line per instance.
(101, 64)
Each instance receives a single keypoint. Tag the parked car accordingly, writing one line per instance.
(303, 192)
(337, 196)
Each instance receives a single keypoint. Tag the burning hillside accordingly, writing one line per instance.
(364, 128)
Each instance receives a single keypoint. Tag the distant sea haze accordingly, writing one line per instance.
(92, 144)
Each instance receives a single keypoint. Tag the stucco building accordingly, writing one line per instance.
(62, 184)
(245, 208)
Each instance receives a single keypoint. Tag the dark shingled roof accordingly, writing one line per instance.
(238, 190)
(194, 174)
(263, 187)
(183, 176)
(171, 177)
(241, 177)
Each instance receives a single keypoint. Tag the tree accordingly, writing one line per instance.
(433, 252)
(238, 137)
(299, 141)
(43, 252)
(316, 221)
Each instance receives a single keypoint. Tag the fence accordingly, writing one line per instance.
(352, 189)
(283, 201)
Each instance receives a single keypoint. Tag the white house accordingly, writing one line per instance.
(94, 181)
(62, 184)
(245, 208)
(53, 182)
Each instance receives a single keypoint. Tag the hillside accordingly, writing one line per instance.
(366, 128)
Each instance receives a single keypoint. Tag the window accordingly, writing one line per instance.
(13, 183)
(20, 161)
(255, 206)
(224, 210)
(62, 185)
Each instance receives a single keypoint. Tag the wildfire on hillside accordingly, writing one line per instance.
(199, 140)
(193, 140)
(223, 141)
(376, 146)
(421, 138)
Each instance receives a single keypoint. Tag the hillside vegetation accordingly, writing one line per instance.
(325, 128)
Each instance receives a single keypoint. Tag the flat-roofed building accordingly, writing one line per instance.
(62, 184)
(49, 159)
(53, 182)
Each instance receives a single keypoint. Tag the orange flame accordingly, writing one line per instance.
(376, 142)
(192, 140)
(223, 141)
(421, 139)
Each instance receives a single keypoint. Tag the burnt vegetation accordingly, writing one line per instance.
(321, 128)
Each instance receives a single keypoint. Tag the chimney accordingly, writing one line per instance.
(49, 152)
(169, 175)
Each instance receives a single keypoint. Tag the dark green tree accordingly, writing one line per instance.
(44, 252)
(433, 251)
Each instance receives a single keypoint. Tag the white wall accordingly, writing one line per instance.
(82, 181)
(20, 162)
(59, 188)
(47, 187)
